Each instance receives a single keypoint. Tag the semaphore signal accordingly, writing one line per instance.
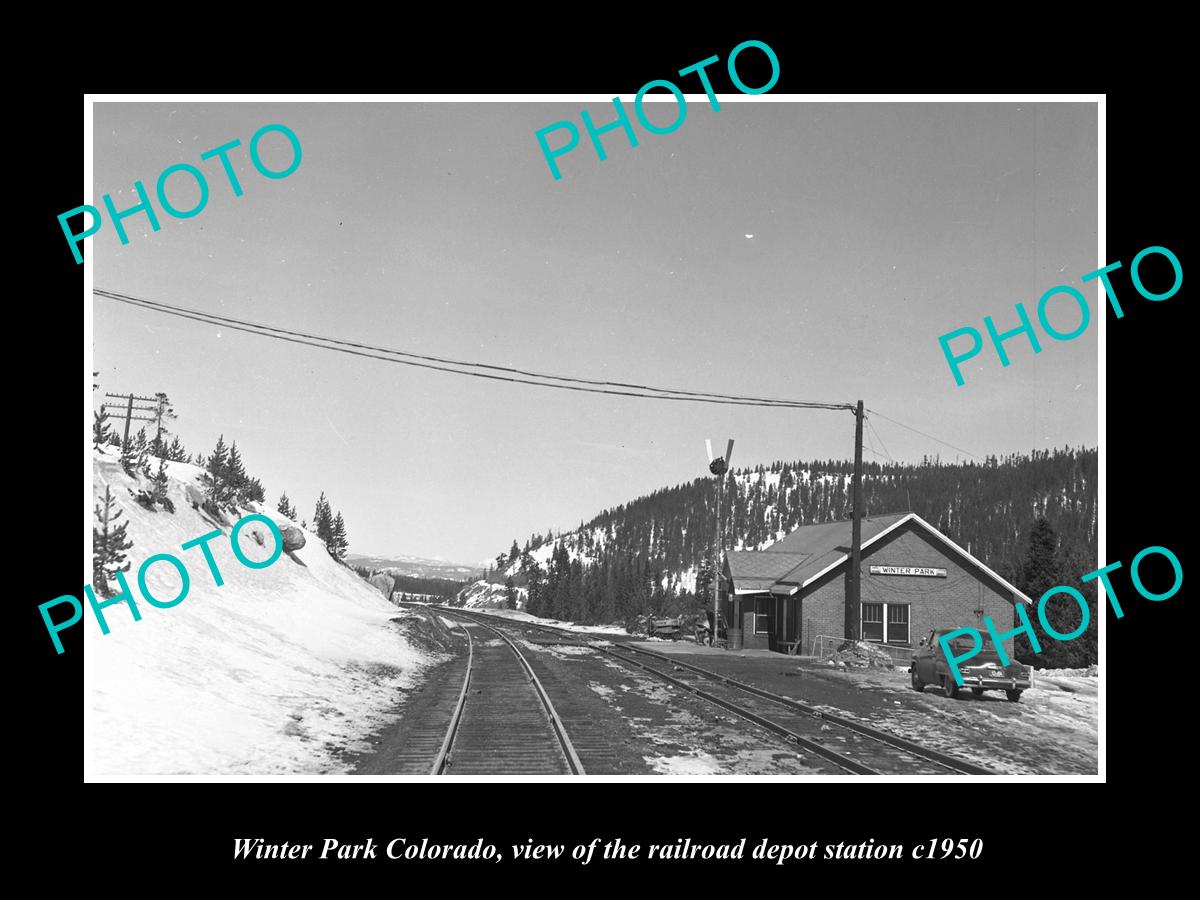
(718, 466)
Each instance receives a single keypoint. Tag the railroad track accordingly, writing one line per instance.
(503, 721)
(850, 745)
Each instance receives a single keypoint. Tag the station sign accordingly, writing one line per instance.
(908, 570)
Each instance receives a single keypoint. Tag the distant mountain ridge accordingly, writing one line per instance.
(415, 566)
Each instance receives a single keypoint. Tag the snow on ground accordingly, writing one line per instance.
(266, 674)
(693, 764)
(556, 623)
(602, 689)
(1052, 730)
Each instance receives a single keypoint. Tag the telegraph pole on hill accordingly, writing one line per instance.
(130, 409)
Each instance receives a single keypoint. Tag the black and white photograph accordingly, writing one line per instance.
(513, 437)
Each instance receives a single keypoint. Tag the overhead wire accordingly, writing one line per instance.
(873, 430)
(443, 364)
(924, 434)
(510, 374)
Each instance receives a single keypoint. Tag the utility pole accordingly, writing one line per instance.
(717, 565)
(130, 409)
(854, 572)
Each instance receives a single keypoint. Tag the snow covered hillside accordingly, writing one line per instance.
(643, 553)
(270, 673)
(482, 595)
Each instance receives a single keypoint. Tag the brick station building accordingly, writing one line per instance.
(913, 579)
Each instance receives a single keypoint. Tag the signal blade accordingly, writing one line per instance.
(729, 452)
(708, 446)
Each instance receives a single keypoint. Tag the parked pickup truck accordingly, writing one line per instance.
(982, 672)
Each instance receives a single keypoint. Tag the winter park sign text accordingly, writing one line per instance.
(125, 595)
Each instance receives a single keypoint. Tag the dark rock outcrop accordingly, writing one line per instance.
(293, 537)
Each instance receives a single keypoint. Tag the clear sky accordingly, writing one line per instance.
(438, 228)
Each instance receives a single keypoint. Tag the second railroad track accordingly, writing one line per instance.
(848, 744)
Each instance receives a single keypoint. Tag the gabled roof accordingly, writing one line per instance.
(813, 550)
(824, 545)
(754, 571)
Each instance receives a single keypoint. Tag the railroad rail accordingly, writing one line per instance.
(506, 722)
(834, 738)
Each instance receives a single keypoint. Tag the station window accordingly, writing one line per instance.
(872, 621)
(897, 623)
(762, 615)
(886, 623)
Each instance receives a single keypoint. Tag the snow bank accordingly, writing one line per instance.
(270, 673)
(1092, 671)
(862, 655)
(523, 616)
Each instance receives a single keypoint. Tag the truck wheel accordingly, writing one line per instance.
(1013, 696)
(978, 692)
(917, 684)
(949, 688)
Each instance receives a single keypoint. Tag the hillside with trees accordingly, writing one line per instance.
(651, 555)
(224, 484)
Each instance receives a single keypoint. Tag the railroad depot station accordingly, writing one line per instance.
(791, 597)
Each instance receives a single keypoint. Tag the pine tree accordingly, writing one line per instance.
(510, 594)
(254, 493)
(214, 475)
(535, 588)
(108, 546)
(159, 485)
(101, 432)
(129, 459)
(142, 451)
(176, 452)
(514, 554)
(1040, 571)
(704, 577)
(235, 476)
(164, 414)
(323, 521)
(285, 506)
(340, 544)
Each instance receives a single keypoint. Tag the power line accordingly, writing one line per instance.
(442, 364)
(873, 430)
(871, 443)
(923, 434)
